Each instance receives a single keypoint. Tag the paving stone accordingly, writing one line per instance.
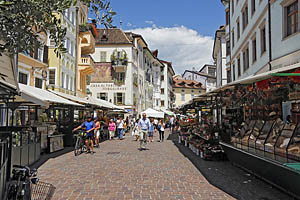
(118, 170)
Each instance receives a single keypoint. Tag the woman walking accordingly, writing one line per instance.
(161, 129)
(97, 129)
(111, 128)
(135, 130)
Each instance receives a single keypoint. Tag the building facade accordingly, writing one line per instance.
(261, 36)
(124, 70)
(33, 66)
(206, 76)
(186, 90)
(167, 97)
(219, 56)
(68, 73)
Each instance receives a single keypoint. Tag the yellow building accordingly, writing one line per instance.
(32, 66)
(68, 73)
(186, 90)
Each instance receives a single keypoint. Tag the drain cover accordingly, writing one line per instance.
(112, 153)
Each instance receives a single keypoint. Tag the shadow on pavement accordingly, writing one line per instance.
(230, 179)
(45, 157)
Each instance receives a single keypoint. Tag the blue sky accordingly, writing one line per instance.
(182, 31)
(204, 16)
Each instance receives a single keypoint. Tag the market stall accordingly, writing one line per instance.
(266, 143)
(154, 113)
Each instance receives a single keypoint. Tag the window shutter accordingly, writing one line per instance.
(115, 98)
(123, 98)
(36, 48)
(45, 54)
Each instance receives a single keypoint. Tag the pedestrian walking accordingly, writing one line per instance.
(121, 128)
(151, 130)
(161, 127)
(111, 128)
(135, 131)
(97, 129)
(172, 124)
(144, 125)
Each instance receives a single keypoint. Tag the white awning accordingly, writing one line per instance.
(154, 113)
(168, 112)
(71, 97)
(42, 97)
(265, 75)
(102, 103)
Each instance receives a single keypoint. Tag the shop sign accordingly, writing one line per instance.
(294, 96)
(108, 86)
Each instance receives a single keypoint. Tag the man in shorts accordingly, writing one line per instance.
(89, 126)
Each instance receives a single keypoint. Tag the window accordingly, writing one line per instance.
(162, 103)
(62, 80)
(238, 29)
(229, 76)
(38, 83)
(245, 16)
(246, 59)
(291, 18)
(239, 66)
(102, 56)
(52, 76)
(23, 78)
(182, 90)
(227, 17)
(157, 102)
(40, 54)
(119, 98)
(232, 6)
(67, 82)
(67, 45)
(192, 91)
(232, 38)
(73, 18)
(233, 72)
(254, 50)
(263, 39)
(72, 49)
(211, 71)
(253, 6)
(162, 77)
(103, 96)
(120, 77)
(71, 83)
(162, 91)
(227, 48)
(182, 97)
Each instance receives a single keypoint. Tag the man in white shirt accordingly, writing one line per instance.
(120, 125)
(144, 125)
(172, 124)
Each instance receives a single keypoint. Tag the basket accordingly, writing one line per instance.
(42, 191)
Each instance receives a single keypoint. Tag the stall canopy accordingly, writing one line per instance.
(71, 97)
(265, 75)
(153, 113)
(103, 103)
(168, 112)
(42, 97)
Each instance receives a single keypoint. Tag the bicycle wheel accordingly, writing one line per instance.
(77, 147)
(82, 145)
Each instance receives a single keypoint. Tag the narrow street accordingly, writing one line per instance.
(118, 170)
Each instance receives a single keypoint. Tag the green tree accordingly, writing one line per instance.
(22, 20)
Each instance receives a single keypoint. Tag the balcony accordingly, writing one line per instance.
(87, 35)
(86, 65)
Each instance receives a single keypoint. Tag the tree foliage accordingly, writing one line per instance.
(21, 21)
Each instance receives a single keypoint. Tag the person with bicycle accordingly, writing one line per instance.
(89, 126)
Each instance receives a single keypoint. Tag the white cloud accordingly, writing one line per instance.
(149, 22)
(184, 47)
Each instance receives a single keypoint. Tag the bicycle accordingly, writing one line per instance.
(80, 146)
(21, 181)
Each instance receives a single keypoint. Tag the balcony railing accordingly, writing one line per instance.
(86, 60)
(119, 63)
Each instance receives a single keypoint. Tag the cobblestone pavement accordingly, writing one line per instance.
(118, 170)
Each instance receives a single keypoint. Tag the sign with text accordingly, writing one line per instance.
(108, 86)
